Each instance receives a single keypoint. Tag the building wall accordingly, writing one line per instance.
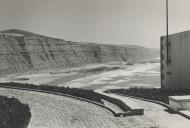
(176, 75)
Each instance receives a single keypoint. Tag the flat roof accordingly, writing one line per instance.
(178, 33)
(180, 98)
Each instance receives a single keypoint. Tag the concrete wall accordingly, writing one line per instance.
(180, 105)
(176, 75)
(174, 106)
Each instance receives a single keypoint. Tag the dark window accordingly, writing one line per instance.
(162, 46)
(162, 56)
(162, 76)
(169, 57)
(162, 67)
(169, 73)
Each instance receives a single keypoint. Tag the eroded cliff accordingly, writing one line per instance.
(22, 51)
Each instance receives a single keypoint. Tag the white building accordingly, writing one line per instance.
(175, 61)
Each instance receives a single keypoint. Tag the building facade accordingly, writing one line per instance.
(175, 61)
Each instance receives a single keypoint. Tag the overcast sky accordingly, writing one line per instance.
(137, 22)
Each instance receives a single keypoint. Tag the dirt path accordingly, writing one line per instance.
(51, 111)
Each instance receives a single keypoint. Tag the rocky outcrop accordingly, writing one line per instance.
(22, 51)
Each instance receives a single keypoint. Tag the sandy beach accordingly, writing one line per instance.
(137, 75)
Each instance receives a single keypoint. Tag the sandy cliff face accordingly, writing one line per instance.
(22, 51)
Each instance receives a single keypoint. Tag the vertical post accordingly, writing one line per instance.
(167, 43)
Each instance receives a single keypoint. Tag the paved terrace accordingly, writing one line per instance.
(155, 112)
(53, 111)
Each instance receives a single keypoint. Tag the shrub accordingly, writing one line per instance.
(151, 93)
(86, 94)
(13, 114)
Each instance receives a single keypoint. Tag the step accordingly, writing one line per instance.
(185, 113)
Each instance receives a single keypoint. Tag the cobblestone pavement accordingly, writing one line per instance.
(51, 111)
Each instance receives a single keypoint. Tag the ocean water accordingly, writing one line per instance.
(145, 75)
(138, 75)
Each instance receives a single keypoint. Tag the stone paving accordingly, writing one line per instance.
(155, 112)
(51, 111)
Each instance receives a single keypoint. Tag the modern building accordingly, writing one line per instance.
(175, 61)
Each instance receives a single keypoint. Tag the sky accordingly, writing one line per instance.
(122, 22)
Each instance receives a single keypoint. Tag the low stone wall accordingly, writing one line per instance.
(127, 110)
(179, 103)
(148, 100)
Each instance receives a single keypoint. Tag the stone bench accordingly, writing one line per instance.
(178, 103)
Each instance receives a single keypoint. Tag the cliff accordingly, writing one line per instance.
(22, 51)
